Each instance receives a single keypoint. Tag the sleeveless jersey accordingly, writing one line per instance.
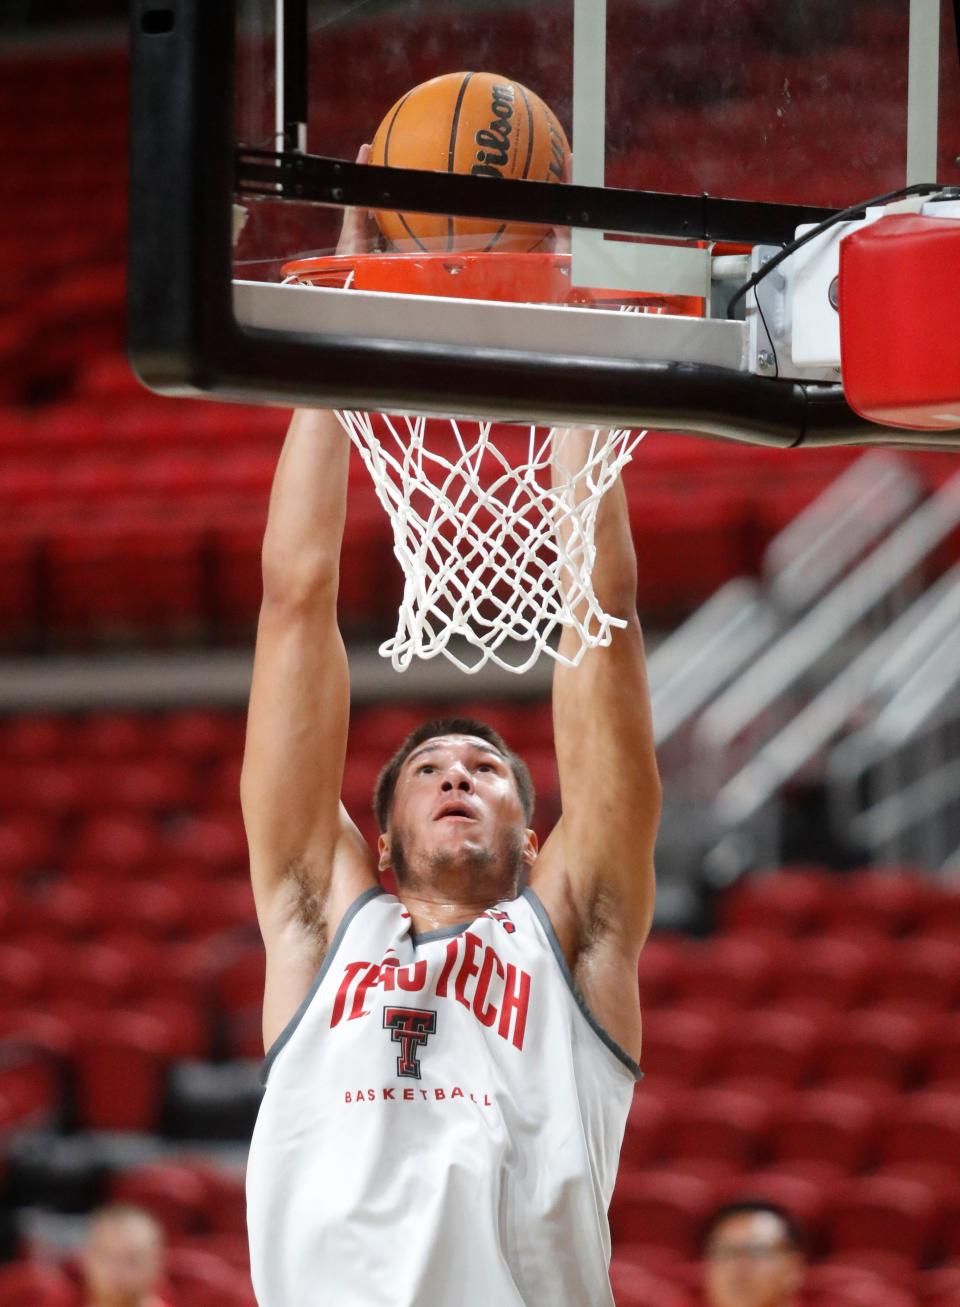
(442, 1122)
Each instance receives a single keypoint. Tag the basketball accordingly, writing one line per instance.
(478, 123)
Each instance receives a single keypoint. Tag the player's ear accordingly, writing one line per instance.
(531, 847)
(383, 849)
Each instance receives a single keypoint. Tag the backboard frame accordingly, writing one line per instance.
(184, 337)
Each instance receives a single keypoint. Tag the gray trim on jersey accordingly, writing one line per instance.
(447, 932)
(297, 1017)
(534, 901)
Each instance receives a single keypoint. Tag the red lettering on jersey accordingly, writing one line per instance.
(487, 1016)
(368, 982)
(516, 997)
(347, 1097)
(457, 1092)
(351, 969)
(388, 971)
(438, 1094)
(468, 966)
(447, 967)
(486, 1101)
(503, 918)
(413, 977)
(388, 1093)
(408, 1095)
(423, 1092)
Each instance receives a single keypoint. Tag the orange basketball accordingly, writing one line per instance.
(475, 123)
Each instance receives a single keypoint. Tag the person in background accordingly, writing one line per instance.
(753, 1253)
(123, 1258)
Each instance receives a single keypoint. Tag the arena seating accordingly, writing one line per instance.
(129, 518)
(807, 1050)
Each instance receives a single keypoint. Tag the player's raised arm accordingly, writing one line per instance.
(609, 784)
(305, 855)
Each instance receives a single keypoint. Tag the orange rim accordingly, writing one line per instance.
(510, 277)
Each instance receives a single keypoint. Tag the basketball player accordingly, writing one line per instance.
(449, 1069)
(753, 1256)
(122, 1260)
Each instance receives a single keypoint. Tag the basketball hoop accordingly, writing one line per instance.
(496, 543)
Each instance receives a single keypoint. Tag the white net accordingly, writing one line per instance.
(496, 558)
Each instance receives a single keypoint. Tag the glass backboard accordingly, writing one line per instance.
(697, 128)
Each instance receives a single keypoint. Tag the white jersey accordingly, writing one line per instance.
(442, 1122)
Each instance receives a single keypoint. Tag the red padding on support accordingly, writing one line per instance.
(900, 322)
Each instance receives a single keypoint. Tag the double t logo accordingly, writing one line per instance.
(411, 1026)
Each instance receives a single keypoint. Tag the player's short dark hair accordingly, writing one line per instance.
(438, 727)
(747, 1206)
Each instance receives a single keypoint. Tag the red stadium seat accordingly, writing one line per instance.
(41, 1031)
(223, 905)
(125, 579)
(650, 1118)
(27, 1284)
(921, 971)
(113, 845)
(94, 975)
(225, 1205)
(882, 1214)
(186, 1032)
(58, 910)
(942, 912)
(171, 1193)
(872, 1044)
(770, 1043)
(215, 839)
(829, 970)
(21, 977)
(661, 1209)
(31, 1087)
(160, 785)
(739, 969)
(661, 963)
(120, 1072)
(722, 1124)
(634, 1287)
(199, 735)
(20, 572)
(786, 902)
(822, 1126)
(926, 1129)
(201, 1279)
(891, 900)
(939, 1285)
(146, 907)
(940, 1056)
(36, 737)
(680, 1046)
(27, 843)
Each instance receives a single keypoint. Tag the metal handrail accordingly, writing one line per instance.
(813, 551)
(869, 679)
(880, 577)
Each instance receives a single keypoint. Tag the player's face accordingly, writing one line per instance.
(121, 1261)
(456, 801)
(749, 1263)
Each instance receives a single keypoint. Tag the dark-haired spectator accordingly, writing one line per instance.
(753, 1254)
(123, 1258)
